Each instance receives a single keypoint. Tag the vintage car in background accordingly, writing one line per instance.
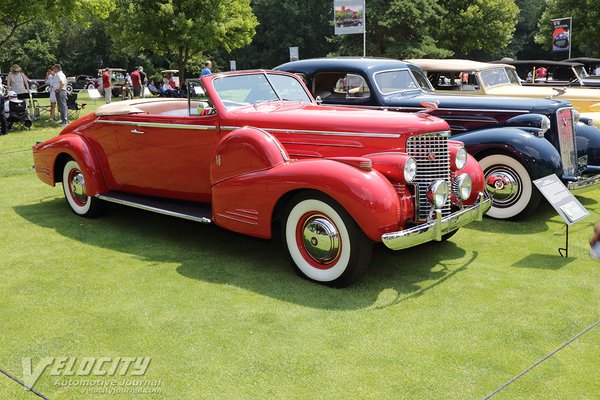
(560, 73)
(34, 84)
(118, 79)
(81, 82)
(515, 140)
(251, 149)
(473, 77)
(589, 63)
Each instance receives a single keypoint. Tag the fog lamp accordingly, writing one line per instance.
(462, 187)
(437, 193)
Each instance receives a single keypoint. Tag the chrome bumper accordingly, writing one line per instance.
(584, 184)
(435, 229)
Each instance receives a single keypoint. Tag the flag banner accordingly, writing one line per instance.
(561, 34)
(349, 16)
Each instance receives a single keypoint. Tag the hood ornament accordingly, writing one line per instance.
(429, 106)
(557, 92)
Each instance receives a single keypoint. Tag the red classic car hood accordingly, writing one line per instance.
(311, 117)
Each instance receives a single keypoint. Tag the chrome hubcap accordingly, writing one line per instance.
(78, 187)
(504, 186)
(321, 239)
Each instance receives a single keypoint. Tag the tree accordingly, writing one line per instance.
(283, 24)
(398, 29)
(182, 29)
(586, 30)
(523, 45)
(477, 25)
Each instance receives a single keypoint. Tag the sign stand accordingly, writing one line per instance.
(566, 248)
(565, 204)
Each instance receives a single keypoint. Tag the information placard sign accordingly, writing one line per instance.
(563, 201)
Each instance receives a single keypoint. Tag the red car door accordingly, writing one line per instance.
(158, 155)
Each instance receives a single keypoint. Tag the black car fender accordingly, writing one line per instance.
(588, 143)
(537, 154)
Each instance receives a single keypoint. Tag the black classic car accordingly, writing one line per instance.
(560, 73)
(81, 82)
(516, 140)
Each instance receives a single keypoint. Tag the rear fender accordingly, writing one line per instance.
(50, 156)
(246, 203)
(536, 154)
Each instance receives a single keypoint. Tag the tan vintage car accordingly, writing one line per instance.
(474, 77)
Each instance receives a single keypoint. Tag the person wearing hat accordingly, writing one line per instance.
(12, 98)
(59, 85)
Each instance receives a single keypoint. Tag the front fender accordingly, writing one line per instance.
(48, 156)
(537, 154)
(246, 203)
(588, 142)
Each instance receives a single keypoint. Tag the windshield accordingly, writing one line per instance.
(396, 81)
(244, 90)
(513, 76)
(494, 77)
(422, 80)
(581, 72)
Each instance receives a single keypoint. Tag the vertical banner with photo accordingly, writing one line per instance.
(348, 16)
(561, 34)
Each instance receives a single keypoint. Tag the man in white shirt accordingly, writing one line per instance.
(597, 71)
(59, 85)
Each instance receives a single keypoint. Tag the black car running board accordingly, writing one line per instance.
(197, 212)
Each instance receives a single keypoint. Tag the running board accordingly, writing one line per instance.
(185, 210)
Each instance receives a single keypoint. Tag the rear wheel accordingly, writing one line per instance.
(510, 186)
(323, 242)
(91, 86)
(69, 88)
(73, 183)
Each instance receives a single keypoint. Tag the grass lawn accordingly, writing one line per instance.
(224, 316)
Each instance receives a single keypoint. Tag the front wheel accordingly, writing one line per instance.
(69, 89)
(322, 240)
(74, 188)
(510, 187)
(91, 86)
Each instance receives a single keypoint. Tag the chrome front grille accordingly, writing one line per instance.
(566, 141)
(431, 153)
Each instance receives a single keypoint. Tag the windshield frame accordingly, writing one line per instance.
(412, 77)
(482, 82)
(272, 86)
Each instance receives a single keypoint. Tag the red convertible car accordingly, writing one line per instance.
(251, 150)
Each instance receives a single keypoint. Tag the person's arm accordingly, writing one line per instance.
(25, 81)
(596, 237)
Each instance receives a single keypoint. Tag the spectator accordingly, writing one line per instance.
(107, 85)
(3, 120)
(541, 72)
(206, 70)
(597, 70)
(1, 87)
(17, 81)
(594, 240)
(144, 79)
(59, 84)
(19, 113)
(49, 82)
(136, 82)
(153, 89)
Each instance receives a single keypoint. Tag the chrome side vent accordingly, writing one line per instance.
(432, 155)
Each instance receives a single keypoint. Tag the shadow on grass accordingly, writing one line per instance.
(211, 254)
(543, 261)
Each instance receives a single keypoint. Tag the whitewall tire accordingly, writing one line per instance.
(323, 242)
(73, 182)
(510, 186)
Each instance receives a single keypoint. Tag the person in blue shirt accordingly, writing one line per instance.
(206, 70)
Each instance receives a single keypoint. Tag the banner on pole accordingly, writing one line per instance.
(561, 34)
(349, 16)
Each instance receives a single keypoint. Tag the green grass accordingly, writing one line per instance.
(224, 316)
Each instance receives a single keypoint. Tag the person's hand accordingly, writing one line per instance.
(596, 237)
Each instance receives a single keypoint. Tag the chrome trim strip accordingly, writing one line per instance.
(237, 219)
(409, 108)
(319, 133)
(241, 215)
(248, 211)
(160, 125)
(584, 184)
(436, 228)
(202, 220)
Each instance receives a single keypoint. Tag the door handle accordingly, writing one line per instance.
(136, 131)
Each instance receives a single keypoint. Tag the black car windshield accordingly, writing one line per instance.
(250, 89)
(396, 81)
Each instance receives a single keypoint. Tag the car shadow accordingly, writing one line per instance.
(211, 254)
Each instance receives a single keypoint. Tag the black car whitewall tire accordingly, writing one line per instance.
(323, 242)
(91, 86)
(73, 182)
(513, 193)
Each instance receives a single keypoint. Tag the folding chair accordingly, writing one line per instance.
(18, 116)
(40, 111)
(73, 106)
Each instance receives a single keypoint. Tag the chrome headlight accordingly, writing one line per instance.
(462, 187)
(410, 169)
(576, 116)
(437, 194)
(461, 158)
(544, 124)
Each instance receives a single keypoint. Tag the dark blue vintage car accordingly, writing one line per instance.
(516, 140)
